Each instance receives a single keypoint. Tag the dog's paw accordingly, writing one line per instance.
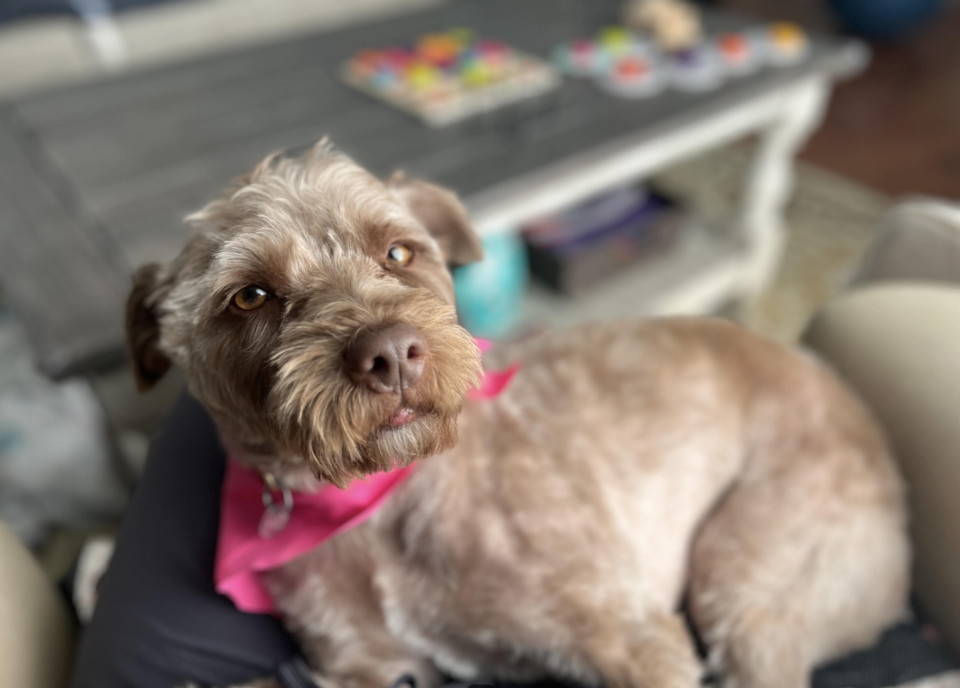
(262, 683)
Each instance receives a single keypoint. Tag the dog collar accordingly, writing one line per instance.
(243, 553)
(264, 524)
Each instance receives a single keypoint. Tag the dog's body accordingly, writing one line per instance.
(626, 468)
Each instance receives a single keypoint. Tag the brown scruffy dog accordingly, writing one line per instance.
(557, 528)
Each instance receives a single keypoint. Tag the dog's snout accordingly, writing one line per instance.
(387, 359)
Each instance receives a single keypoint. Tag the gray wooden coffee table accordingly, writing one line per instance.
(94, 179)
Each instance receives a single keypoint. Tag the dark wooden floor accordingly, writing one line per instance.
(896, 127)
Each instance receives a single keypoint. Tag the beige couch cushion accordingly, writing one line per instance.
(899, 345)
(36, 633)
(917, 240)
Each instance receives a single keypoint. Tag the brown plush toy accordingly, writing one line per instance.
(674, 24)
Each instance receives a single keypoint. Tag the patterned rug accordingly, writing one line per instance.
(830, 222)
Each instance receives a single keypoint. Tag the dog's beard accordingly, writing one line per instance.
(352, 438)
(343, 431)
(427, 435)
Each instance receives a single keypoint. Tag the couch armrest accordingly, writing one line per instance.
(899, 346)
(36, 632)
(918, 240)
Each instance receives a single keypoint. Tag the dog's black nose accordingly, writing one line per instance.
(388, 359)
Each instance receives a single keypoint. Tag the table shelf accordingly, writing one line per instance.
(694, 275)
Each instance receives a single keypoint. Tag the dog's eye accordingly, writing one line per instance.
(250, 297)
(399, 255)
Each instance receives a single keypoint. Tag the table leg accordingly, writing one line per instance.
(769, 183)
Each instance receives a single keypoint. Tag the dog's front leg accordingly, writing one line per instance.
(259, 683)
(367, 665)
(361, 677)
(329, 603)
(655, 653)
(355, 669)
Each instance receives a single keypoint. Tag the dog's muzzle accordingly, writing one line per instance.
(388, 359)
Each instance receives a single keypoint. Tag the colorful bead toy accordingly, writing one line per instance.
(696, 69)
(787, 43)
(617, 40)
(634, 76)
(597, 56)
(738, 53)
(628, 64)
(449, 76)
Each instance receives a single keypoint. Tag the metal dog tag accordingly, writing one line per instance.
(273, 521)
(276, 514)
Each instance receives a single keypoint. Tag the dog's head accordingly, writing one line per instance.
(312, 312)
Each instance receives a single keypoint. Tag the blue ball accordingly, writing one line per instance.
(490, 293)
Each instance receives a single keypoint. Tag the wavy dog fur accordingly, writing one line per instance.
(628, 468)
(273, 378)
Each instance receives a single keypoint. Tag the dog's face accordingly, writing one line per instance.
(312, 312)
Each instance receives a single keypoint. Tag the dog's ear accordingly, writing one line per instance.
(441, 212)
(143, 329)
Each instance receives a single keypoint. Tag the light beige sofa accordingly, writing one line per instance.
(36, 631)
(895, 336)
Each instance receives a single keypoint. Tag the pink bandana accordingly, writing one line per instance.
(243, 553)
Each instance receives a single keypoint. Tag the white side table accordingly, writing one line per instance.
(705, 270)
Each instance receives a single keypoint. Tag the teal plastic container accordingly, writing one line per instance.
(490, 293)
